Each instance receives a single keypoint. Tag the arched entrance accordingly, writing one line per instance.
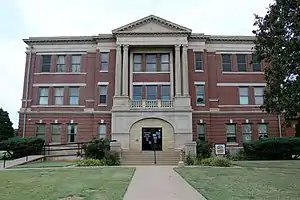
(139, 130)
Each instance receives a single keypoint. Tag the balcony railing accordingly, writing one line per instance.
(151, 103)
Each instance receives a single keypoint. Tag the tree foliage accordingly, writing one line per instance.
(6, 129)
(278, 44)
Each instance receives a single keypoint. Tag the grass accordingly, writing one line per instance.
(290, 164)
(244, 183)
(109, 183)
(45, 164)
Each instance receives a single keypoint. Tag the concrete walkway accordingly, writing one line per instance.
(19, 161)
(159, 183)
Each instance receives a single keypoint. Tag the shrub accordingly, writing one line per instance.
(90, 162)
(240, 155)
(216, 161)
(273, 148)
(112, 158)
(204, 149)
(189, 160)
(21, 147)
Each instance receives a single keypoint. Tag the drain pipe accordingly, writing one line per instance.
(27, 90)
(279, 125)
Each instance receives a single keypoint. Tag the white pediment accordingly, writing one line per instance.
(151, 27)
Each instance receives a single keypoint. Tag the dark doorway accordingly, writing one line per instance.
(151, 139)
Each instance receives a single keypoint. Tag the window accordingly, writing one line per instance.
(59, 96)
(198, 61)
(256, 65)
(165, 92)
(244, 95)
(46, 66)
(137, 62)
(151, 63)
(76, 62)
(43, 96)
(72, 131)
(226, 62)
(137, 92)
(61, 64)
(259, 95)
(201, 132)
(103, 94)
(55, 133)
(247, 132)
(151, 92)
(40, 130)
(231, 132)
(200, 94)
(102, 131)
(74, 95)
(262, 131)
(104, 62)
(165, 61)
(241, 62)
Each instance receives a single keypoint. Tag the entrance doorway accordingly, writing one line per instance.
(151, 139)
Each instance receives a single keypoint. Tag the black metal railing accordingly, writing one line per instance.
(48, 149)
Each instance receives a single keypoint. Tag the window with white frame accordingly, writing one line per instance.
(59, 95)
(165, 92)
(231, 132)
(165, 62)
(137, 62)
(102, 131)
(151, 63)
(244, 95)
(55, 133)
(259, 95)
(104, 58)
(76, 63)
(226, 62)
(46, 63)
(137, 93)
(198, 61)
(256, 65)
(43, 95)
(74, 95)
(61, 63)
(72, 132)
(200, 94)
(40, 130)
(241, 62)
(151, 92)
(103, 94)
(262, 131)
(247, 132)
(201, 132)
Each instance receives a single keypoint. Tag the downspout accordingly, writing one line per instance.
(279, 125)
(26, 91)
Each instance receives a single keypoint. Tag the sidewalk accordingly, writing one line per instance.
(11, 163)
(160, 183)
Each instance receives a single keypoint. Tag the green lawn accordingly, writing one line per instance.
(291, 164)
(45, 164)
(244, 183)
(109, 183)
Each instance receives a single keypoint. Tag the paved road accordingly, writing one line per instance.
(159, 183)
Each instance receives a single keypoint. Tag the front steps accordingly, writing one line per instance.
(147, 158)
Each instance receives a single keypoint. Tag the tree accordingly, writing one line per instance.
(277, 42)
(6, 129)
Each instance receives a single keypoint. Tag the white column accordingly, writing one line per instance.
(125, 71)
(171, 75)
(131, 74)
(177, 71)
(118, 71)
(185, 75)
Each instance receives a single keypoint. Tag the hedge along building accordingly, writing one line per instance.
(149, 76)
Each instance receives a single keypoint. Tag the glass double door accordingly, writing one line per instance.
(151, 139)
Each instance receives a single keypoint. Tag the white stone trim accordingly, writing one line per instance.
(154, 40)
(105, 47)
(150, 50)
(199, 83)
(158, 72)
(171, 64)
(213, 100)
(234, 52)
(238, 105)
(230, 48)
(197, 46)
(151, 83)
(246, 73)
(103, 71)
(57, 106)
(89, 100)
(102, 105)
(103, 83)
(201, 71)
(242, 84)
(61, 53)
(60, 73)
(63, 48)
(228, 111)
(58, 84)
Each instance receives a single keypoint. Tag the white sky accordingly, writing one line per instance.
(24, 18)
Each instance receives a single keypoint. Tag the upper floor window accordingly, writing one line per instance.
(200, 94)
(165, 62)
(256, 65)
(247, 132)
(72, 132)
(198, 61)
(137, 62)
(74, 95)
(46, 65)
(231, 132)
(137, 92)
(40, 130)
(259, 95)
(165, 92)
(262, 131)
(244, 95)
(201, 132)
(55, 133)
(226, 62)
(103, 94)
(151, 63)
(102, 130)
(241, 62)
(104, 61)
(61, 64)
(59, 96)
(43, 95)
(151, 92)
(76, 62)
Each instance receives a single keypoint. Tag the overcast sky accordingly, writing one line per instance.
(24, 18)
